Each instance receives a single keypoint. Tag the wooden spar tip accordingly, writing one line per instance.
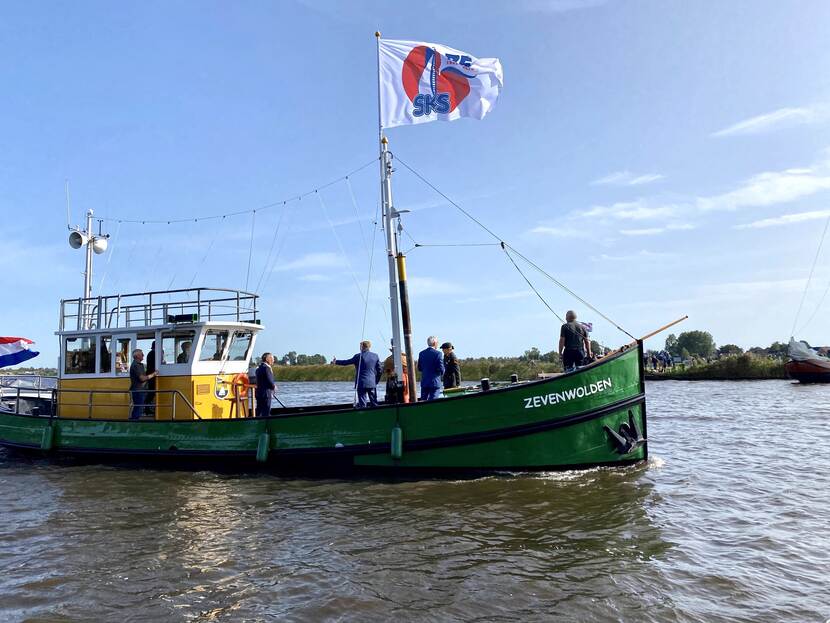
(377, 34)
(663, 328)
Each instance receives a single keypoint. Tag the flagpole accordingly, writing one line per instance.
(389, 215)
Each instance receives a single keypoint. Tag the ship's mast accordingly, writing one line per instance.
(390, 225)
(95, 244)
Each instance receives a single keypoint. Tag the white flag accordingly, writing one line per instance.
(422, 82)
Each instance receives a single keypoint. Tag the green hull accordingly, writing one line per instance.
(594, 416)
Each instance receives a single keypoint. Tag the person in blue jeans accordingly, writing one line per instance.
(138, 383)
(431, 367)
(367, 374)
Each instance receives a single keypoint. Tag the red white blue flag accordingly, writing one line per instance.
(14, 350)
(421, 82)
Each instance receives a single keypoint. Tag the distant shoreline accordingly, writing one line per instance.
(744, 367)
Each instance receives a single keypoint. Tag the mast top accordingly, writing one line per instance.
(377, 34)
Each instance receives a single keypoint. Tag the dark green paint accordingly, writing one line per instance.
(487, 430)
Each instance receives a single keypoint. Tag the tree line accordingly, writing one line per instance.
(691, 344)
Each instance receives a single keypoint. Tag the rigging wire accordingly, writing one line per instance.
(518, 253)
(357, 216)
(250, 249)
(460, 244)
(535, 291)
(109, 258)
(271, 249)
(810, 277)
(281, 247)
(342, 249)
(817, 309)
(129, 259)
(205, 256)
(240, 212)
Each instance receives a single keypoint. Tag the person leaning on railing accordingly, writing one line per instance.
(138, 383)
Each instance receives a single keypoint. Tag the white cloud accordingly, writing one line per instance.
(314, 277)
(783, 117)
(770, 188)
(561, 232)
(631, 210)
(504, 296)
(627, 178)
(641, 255)
(653, 231)
(559, 6)
(429, 286)
(313, 260)
(648, 231)
(786, 219)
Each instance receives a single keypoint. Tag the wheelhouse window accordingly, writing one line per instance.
(214, 345)
(79, 355)
(240, 344)
(176, 346)
(146, 341)
(106, 355)
(123, 356)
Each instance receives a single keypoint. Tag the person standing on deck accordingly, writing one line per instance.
(452, 370)
(574, 345)
(138, 383)
(367, 374)
(265, 385)
(150, 396)
(431, 367)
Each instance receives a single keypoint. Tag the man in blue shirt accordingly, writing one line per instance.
(265, 385)
(367, 374)
(431, 367)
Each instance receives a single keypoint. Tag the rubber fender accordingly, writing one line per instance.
(262, 447)
(396, 447)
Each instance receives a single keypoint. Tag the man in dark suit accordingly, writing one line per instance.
(265, 385)
(431, 367)
(367, 374)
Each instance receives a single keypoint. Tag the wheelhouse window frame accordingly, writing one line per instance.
(206, 334)
(179, 337)
(78, 355)
(236, 333)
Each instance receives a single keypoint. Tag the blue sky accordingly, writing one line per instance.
(659, 158)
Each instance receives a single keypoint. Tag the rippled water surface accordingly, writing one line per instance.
(727, 522)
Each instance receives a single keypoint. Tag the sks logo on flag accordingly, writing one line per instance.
(447, 78)
(422, 82)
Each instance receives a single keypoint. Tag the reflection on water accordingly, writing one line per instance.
(721, 524)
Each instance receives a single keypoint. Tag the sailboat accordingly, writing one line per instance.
(806, 364)
(201, 403)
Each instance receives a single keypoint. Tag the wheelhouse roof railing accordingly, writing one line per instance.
(148, 309)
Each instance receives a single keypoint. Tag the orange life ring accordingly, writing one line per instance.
(239, 385)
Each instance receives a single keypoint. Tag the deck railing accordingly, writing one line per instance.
(146, 309)
(89, 404)
(28, 381)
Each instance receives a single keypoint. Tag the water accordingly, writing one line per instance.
(727, 522)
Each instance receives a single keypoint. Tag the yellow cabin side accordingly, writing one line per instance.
(200, 366)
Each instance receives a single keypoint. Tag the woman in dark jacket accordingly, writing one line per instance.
(452, 370)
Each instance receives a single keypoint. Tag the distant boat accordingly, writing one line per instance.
(806, 365)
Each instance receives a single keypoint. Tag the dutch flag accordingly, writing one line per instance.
(14, 350)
